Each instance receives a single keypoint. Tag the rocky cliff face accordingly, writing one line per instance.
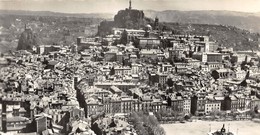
(131, 19)
(27, 40)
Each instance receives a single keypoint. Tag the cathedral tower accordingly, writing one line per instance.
(156, 23)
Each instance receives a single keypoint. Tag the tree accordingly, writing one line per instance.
(115, 42)
(164, 28)
(169, 82)
(186, 117)
(152, 120)
(112, 71)
(135, 118)
(215, 74)
(159, 131)
(124, 37)
(154, 61)
(136, 45)
(165, 43)
(158, 116)
(96, 129)
(146, 34)
(146, 125)
(112, 124)
(256, 109)
(244, 66)
(141, 130)
(138, 124)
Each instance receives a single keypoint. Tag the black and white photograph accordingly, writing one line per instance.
(129, 67)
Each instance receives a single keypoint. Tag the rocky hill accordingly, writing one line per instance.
(248, 21)
(27, 40)
(130, 19)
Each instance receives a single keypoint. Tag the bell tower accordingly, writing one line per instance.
(156, 23)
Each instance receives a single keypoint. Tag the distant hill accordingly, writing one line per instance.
(58, 14)
(243, 20)
(257, 14)
(50, 29)
(218, 25)
(227, 36)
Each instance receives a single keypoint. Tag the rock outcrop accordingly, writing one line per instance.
(27, 40)
(130, 19)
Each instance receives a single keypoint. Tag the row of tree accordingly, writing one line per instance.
(146, 124)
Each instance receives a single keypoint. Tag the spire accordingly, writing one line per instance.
(130, 4)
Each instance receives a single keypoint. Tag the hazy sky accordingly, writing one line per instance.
(112, 6)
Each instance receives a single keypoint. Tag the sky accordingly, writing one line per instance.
(112, 6)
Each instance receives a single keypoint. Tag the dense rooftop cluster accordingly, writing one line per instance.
(125, 82)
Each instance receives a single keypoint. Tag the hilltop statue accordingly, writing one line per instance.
(130, 4)
(129, 18)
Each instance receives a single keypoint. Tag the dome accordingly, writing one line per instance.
(148, 26)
